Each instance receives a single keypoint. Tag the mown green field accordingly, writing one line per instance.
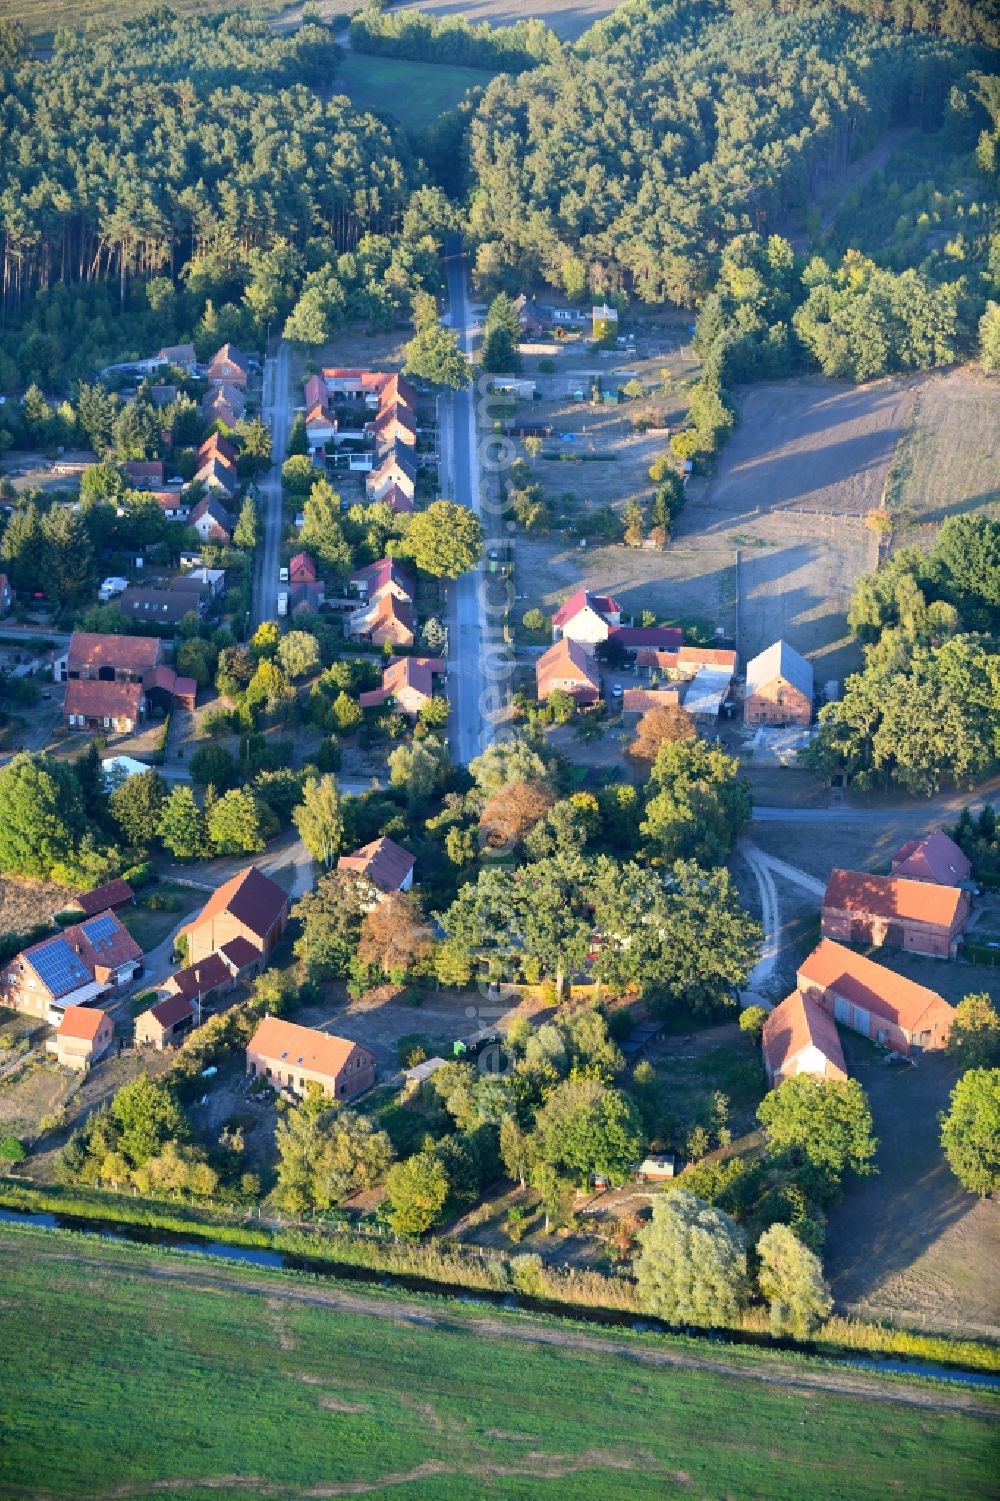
(414, 93)
(122, 1367)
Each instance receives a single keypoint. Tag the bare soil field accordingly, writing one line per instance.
(569, 19)
(948, 459)
(908, 1243)
(23, 903)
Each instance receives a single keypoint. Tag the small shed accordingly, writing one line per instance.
(656, 1168)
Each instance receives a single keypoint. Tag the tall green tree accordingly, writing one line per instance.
(445, 540)
(42, 817)
(136, 806)
(970, 1131)
(824, 1122)
(791, 1279)
(319, 820)
(182, 826)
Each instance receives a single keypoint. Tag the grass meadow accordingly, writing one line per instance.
(121, 1379)
(413, 93)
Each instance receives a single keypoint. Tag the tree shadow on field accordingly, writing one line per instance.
(798, 475)
(885, 1222)
(959, 508)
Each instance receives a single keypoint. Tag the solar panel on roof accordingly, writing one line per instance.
(100, 929)
(59, 968)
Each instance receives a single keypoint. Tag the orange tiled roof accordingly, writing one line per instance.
(872, 986)
(796, 1024)
(83, 1022)
(287, 1042)
(891, 896)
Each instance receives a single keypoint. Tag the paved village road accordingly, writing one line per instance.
(470, 729)
(278, 416)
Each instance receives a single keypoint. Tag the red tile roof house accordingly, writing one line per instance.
(799, 1037)
(936, 858)
(395, 469)
(407, 683)
(146, 475)
(385, 576)
(211, 520)
(917, 916)
(124, 659)
(215, 475)
(394, 424)
(387, 618)
(215, 447)
(229, 367)
(249, 906)
(586, 618)
(110, 897)
(315, 391)
(74, 967)
(569, 667)
(321, 425)
(875, 1001)
(164, 1024)
(85, 1034)
(92, 705)
(200, 982)
(302, 569)
(685, 662)
(386, 864)
(779, 687)
(293, 1057)
(172, 503)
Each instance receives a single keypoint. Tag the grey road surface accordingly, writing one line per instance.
(277, 415)
(470, 729)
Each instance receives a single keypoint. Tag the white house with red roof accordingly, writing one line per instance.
(586, 619)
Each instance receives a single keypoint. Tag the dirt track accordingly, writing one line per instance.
(771, 1370)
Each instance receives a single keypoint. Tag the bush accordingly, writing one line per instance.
(12, 1150)
(752, 1022)
(140, 875)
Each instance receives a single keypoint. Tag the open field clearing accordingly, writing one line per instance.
(948, 460)
(414, 93)
(790, 490)
(569, 19)
(231, 1381)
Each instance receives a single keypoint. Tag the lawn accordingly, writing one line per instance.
(240, 1382)
(151, 924)
(413, 93)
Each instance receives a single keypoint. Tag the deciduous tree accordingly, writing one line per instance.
(970, 1131)
(791, 1279)
(693, 1263)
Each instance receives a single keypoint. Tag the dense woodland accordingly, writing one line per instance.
(172, 167)
(175, 176)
